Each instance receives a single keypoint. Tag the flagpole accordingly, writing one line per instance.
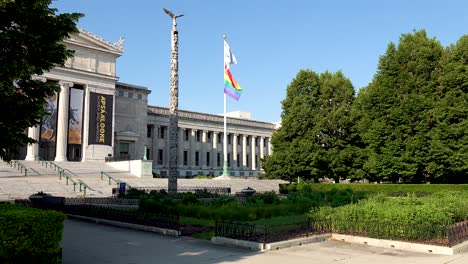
(225, 163)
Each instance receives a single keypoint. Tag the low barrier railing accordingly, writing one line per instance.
(185, 189)
(102, 201)
(122, 215)
(433, 235)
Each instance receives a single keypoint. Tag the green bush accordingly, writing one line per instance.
(30, 235)
(388, 189)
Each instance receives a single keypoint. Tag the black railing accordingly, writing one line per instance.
(189, 189)
(458, 233)
(102, 201)
(424, 234)
(269, 233)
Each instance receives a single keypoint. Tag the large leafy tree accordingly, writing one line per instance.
(397, 110)
(31, 35)
(316, 139)
(448, 150)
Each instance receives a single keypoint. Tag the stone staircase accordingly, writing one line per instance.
(14, 185)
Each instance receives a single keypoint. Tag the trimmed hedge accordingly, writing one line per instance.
(388, 189)
(29, 235)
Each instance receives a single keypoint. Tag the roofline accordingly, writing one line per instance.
(214, 115)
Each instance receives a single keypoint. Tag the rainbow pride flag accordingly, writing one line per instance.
(231, 87)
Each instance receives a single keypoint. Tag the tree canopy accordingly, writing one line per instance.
(315, 139)
(409, 124)
(31, 43)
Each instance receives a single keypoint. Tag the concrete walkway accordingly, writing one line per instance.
(90, 243)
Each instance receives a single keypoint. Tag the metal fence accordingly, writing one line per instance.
(124, 215)
(102, 201)
(458, 233)
(424, 234)
(189, 189)
(270, 233)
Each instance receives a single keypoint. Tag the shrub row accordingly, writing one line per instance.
(388, 189)
(256, 207)
(30, 235)
(438, 209)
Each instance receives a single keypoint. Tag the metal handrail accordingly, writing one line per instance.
(117, 181)
(61, 173)
(19, 166)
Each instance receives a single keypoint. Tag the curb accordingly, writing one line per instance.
(158, 230)
(256, 246)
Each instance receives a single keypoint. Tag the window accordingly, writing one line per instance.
(247, 159)
(208, 159)
(185, 158)
(140, 96)
(220, 138)
(160, 157)
(218, 159)
(163, 173)
(186, 134)
(229, 139)
(248, 140)
(162, 132)
(239, 140)
(198, 133)
(148, 153)
(197, 158)
(238, 160)
(121, 93)
(149, 131)
(130, 95)
(229, 159)
(208, 136)
(124, 150)
(256, 142)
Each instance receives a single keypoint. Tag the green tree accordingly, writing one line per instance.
(396, 110)
(31, 35)
(448, 151)
(316, 136)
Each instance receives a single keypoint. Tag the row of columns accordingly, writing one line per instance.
(215, 149)
(61, 138)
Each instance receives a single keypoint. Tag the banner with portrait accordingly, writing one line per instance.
(49, 123)
(75, 117)
(100, 119)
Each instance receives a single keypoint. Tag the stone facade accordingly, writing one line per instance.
(138, 128)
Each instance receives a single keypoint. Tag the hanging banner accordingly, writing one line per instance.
(100, 119)
(75, 116)
(49, 123)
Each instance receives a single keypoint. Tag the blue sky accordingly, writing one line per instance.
(272, 41)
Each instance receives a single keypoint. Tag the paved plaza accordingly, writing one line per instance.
(85, 242)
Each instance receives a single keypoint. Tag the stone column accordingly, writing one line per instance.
(215, 150)
(33, 149)
(244, 152)
(262, 146)
(234, 151)
(269, 146)
(252, 153)
(193, 144)
(62, 122)
(203, 150)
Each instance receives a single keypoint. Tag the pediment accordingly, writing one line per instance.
(92, 41)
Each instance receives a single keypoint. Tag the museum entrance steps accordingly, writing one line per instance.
(15, 185)
(87, 172)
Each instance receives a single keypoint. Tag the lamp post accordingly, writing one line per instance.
(173, 106)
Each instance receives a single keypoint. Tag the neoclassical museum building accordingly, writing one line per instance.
(95, 117)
